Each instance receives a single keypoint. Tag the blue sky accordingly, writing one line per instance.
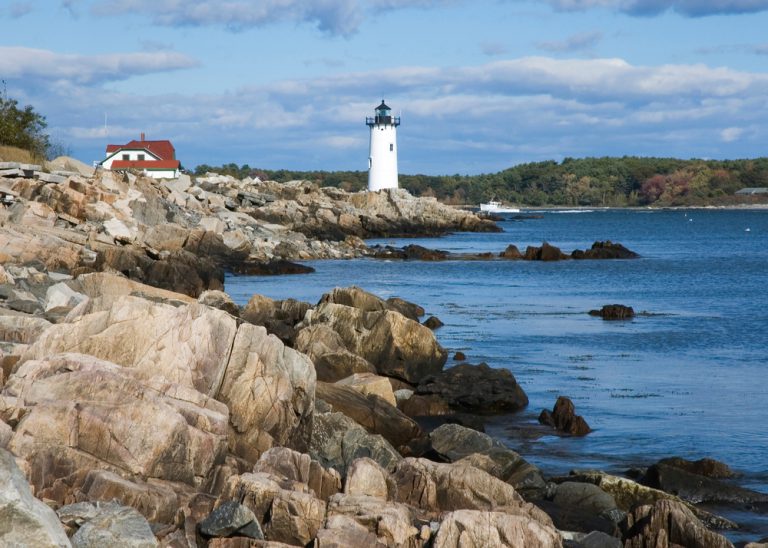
(480, 85)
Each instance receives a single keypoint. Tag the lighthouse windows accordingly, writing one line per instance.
(391, 147)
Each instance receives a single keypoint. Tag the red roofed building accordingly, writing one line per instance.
(156, 158)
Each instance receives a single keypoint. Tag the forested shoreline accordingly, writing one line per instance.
(607, 181)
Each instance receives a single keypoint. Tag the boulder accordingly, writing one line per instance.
(457, 443)
(390, 522)
(368, 383)
(114, 525)
(703, 467)
(279, 317)
(459, 356)
(327, 351)
(433, 323)
(629, 494)
(605, 250)
(483, 528)
(511, 252)
(614, 312)
(156, 500)
(343, 531)
(416, 405)
(337, 441)
(418, 253)
(218, 299)
(270, 391)
(476, 389)
(188, 345)
(294, 466)
(408, 309)
(546, 252)
(24, 520)
(441, 487)
(230, 518)
(668, 523)
(78, 406)
(584, 507)
(370, 411)
(274, 267)
(563, 418)
(287, 510)
(366, 477)
(396, 346)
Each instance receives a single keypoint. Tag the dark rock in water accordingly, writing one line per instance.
(546, 252)
(476, 389)
(696, 488)
(230, 518)
(419, 253)
(408, 309)
(274, 267)
(703, 467)
(511, 253)
(564, 419)
(614, 312)
(433, 323)
(459, 356)
(668, 523)
(605, 250)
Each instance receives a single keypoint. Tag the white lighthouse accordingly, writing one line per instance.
(382, 155)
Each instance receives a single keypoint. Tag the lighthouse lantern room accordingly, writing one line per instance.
(382, 155)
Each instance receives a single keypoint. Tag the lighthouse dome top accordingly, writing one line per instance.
(383, 117)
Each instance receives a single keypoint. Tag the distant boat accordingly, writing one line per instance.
(496, 207)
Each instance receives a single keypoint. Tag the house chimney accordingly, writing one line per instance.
(142, 135)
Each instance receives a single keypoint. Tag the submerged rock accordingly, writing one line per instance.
(605, 250)
(696, 488)
(614, 312)
(563, 418)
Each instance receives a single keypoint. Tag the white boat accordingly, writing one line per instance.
(496, 207)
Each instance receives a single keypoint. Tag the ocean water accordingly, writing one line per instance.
(690, 378)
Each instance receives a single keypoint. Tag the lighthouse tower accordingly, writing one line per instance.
(382, 155)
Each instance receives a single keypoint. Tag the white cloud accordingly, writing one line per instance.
(38, 64)
(731, 134)
(457, 119)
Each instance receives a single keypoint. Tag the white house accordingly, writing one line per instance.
(156, 158)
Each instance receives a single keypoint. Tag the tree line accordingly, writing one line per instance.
(590, 182)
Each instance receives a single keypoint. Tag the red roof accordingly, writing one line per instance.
(145, 164)
(163, 149)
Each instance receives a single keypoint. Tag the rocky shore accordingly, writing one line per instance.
(140, 406)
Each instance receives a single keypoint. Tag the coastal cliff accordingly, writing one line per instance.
(145, 407)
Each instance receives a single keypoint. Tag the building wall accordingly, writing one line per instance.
(162, 173)
(382, 157)
(133, 156)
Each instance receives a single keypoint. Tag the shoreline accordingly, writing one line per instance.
(108, 306)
